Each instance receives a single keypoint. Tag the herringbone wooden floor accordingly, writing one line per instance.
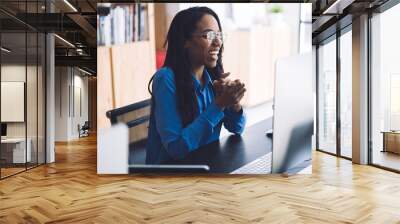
(70, 191)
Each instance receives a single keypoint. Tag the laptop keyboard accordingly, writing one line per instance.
(261, 165)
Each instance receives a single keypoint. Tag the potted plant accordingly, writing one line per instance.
(275, 15)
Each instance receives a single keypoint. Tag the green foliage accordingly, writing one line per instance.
(276, 9)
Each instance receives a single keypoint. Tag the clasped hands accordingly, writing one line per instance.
(228, 92)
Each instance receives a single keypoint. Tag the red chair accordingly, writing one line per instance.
(160, 58)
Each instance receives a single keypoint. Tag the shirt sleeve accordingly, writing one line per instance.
(234, 122)
(179, 141)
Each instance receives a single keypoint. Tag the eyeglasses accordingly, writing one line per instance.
(212, 35)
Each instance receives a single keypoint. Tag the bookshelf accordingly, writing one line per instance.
(119, 23)
(124, 68)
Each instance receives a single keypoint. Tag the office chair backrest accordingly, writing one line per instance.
(135, 116)
(86, 125)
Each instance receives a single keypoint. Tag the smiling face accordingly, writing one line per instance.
(203, 52)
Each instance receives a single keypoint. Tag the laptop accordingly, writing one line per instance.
(292, 121)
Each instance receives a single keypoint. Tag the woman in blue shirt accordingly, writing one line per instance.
(191, 97)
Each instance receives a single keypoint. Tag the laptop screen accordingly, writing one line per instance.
(293, 112)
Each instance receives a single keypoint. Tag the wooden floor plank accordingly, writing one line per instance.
(70, 191)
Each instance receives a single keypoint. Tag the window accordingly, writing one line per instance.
(346, 94)
(305, 28)
(385, 89)
(327, 97)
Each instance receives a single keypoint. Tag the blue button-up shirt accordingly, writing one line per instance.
(167, 138)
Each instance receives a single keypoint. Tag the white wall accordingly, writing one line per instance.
(247, 16)
(80, 83)
(61, 103)
(12, 73)
(71, 94)
(33, 126)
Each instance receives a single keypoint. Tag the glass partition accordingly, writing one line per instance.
(385, 89)
(327, 96)
(14, 153)
(346, 94)
(22, 89)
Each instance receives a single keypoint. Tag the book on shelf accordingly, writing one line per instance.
(144, 23)
(123, 24)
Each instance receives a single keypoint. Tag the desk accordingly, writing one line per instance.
(227, 154)
(391, 141)
(13, 150)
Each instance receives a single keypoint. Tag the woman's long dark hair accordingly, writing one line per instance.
(182, 27)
